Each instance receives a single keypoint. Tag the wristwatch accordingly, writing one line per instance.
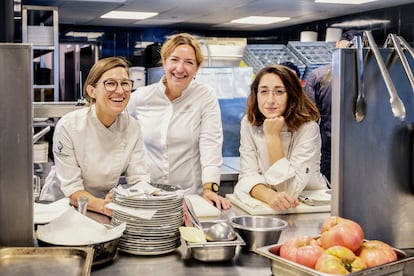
(211, 186)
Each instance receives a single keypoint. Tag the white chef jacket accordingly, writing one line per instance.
(92, 157)
(297, 171)
(183, 137)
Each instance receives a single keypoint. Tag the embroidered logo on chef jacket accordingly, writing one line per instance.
(59, 152)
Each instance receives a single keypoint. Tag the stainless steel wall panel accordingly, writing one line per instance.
(372, 160)
(16, 166)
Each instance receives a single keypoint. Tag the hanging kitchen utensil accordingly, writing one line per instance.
(394, 40)
(406, 46)
(397, 106)
(360, 107)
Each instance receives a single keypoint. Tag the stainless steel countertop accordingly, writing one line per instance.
(180, 262)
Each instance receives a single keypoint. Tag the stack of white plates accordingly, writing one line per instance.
(155, 236)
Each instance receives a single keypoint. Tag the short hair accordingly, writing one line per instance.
(292, 66)
(99, 68)
(181, 39)
(349, 35)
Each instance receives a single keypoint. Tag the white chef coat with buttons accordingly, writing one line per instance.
(298, 170)
(183, 137)
(92, 157)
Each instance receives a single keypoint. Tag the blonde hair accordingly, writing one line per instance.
(181, 39)
(98, 69)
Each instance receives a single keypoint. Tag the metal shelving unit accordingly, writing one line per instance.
(40, 27)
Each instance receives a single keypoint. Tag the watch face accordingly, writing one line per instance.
(214, 187)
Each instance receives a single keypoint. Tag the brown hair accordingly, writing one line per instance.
(181, 39)
(99, 68)
(300, 108)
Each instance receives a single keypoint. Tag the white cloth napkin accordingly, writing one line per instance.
(139, 190)
(44, 213)
(74, 229)
(135, 212)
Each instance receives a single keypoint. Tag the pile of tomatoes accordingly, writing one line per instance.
(340, 249)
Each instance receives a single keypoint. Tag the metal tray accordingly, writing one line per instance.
(215, 251)
(62, 261)
(280, 266)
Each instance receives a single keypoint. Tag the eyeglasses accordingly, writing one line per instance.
(275, 92)
(111, 85)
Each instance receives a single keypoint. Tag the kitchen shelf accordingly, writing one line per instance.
(40, 28)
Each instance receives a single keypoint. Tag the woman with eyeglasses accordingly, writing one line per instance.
(94, 146)
(181, 123)
(280, 144)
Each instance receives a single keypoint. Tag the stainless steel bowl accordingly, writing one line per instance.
(258, 231)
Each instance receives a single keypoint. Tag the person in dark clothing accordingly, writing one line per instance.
(318, 88)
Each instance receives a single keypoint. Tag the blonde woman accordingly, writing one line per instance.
(94, 146)
(181, 123)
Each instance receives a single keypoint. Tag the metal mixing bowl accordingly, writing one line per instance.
(258, 231)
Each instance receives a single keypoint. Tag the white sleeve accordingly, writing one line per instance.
(211, 139)
(68, 170)
(250, 173)
(294, 173)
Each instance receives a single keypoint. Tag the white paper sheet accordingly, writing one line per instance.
(74, 229)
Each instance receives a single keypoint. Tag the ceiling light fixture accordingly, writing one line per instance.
(128, 15)
(259, 20)
(90, 35)
(104, 1)
(360, 23)
(351, 2)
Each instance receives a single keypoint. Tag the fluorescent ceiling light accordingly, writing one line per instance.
(105, 1)
(128, 15)
(91, 35)
(259, 20)
(352, 2)
(361, 23)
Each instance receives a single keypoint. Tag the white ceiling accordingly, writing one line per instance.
(211, 14)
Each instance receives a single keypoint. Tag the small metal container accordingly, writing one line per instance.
(63, 261)
(215, 251)
(258, 231)
(103, 252)
(281, 266)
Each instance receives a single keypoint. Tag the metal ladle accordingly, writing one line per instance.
(221, 231)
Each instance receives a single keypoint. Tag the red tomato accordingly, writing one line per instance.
(339, 260)
(340, 231)
(375, 253)
(303, 250)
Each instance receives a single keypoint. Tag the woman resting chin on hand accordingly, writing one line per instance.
(280, 144)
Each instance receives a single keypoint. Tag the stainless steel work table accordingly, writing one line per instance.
(180, 262)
